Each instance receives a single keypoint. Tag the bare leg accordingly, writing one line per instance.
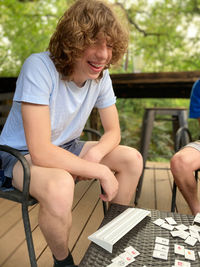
(127, 164)
(54, 189)
(183, 165)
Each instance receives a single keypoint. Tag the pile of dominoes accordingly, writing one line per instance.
(125, 258)
(189, 234)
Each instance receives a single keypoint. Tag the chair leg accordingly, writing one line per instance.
(105, 208)
(28, 233)
(147, 128)
(139, 187)
(196, 175)
(173, 203)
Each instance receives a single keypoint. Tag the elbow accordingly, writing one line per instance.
(37, 158)
(40, 154)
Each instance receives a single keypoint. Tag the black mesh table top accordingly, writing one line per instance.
(142, 238)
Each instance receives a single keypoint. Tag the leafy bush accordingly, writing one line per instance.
(162, 145)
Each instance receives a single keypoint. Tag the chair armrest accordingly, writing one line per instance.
(25, 165)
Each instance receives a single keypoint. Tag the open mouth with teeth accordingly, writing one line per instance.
(95, 66)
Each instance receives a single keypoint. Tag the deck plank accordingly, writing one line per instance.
(80, 189)
(13, 215)
(147, 197)
(92, 225)
(22, 253)
(163, 188)
(46, 259)
(13, 239)
(182, 206)
(82, 212)
(5, 206)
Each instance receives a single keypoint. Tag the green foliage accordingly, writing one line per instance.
(161, 146)
(164, 35)
(26, 27)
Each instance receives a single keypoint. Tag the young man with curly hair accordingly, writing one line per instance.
(55, 94)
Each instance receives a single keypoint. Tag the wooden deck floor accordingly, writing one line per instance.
(87, 216)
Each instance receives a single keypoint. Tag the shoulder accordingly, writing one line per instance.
(43, 59)
(196, 87)
(40, 64)
(106, 74)
(105, 78)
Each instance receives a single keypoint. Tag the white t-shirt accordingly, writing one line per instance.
(70, 106)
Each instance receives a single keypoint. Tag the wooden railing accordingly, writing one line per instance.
(139, 85)
(134, 85)
(154, 85)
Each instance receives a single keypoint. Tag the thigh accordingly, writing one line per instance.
(86, 147)
(41, 179)
(117, 157)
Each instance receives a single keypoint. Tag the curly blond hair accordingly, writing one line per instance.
(78, 28)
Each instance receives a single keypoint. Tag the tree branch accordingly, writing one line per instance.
(130, 20)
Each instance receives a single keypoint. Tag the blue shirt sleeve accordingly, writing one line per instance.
(194, 110)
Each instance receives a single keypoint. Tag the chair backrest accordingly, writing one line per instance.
(182, 138)
(5, 106)
(90, 134)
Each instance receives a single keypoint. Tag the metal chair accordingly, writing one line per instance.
(178, 117)
(26, 199)
(182, 138)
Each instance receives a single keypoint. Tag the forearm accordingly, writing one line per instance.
(105, 145)
(112, 136)
(51, 156)
(108, 142)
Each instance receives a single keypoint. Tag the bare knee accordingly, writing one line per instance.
(180, 163)
(132, 159)
(58, 194)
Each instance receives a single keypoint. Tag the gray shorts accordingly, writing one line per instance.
(195, 144)
(8, 161)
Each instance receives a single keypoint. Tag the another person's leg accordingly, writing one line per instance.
(54, 189)
(183, 165)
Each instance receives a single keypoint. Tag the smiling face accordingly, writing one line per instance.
(95, 58)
